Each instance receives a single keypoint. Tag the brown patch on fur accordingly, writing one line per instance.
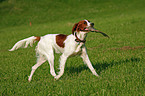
(60, 40)
(74, 28)
(80, 26)
(37, 38)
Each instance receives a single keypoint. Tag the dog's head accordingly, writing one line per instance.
(86, 26)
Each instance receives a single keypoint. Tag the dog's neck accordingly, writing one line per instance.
(81, 35)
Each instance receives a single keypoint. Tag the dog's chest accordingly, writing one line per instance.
(76, 53)
(78, 50)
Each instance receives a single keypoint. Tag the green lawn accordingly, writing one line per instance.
(120, 60)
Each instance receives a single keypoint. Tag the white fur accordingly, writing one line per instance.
(47, 46)
(23, 42)
(88, 23)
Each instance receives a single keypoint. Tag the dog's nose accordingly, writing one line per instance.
(92, 24)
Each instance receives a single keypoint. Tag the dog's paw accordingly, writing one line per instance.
(57, 77)
(96, 74)
(29, 79)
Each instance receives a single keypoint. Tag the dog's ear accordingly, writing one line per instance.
(74, 28)
(81, 27)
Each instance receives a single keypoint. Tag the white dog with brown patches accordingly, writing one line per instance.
(68, 45)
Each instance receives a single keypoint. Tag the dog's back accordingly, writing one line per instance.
(47, 45)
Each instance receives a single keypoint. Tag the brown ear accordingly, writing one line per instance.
(74, 28)
(80, 27)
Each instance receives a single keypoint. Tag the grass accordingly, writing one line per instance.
(119, 60)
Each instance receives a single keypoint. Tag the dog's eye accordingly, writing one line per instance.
(85, 22)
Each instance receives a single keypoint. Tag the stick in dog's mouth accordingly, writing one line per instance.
(97, 31)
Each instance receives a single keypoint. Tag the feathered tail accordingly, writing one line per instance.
(25, 42)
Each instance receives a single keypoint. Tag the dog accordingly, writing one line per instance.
(68, 45)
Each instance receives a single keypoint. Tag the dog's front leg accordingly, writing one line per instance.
(87, 61)
(79, 47)
(63, 59)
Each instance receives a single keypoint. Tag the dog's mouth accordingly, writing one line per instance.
(92, 29)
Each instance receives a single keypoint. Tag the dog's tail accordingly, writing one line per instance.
(25, 42)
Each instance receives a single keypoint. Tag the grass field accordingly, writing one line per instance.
(120, 60)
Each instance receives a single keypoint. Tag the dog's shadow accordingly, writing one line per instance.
(99, 67)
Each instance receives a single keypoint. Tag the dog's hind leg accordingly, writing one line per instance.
(40, 61)
(50, 58)
(63, 59)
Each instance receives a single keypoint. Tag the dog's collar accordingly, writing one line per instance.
(78, 40)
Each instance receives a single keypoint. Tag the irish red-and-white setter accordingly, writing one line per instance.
(68, 45)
